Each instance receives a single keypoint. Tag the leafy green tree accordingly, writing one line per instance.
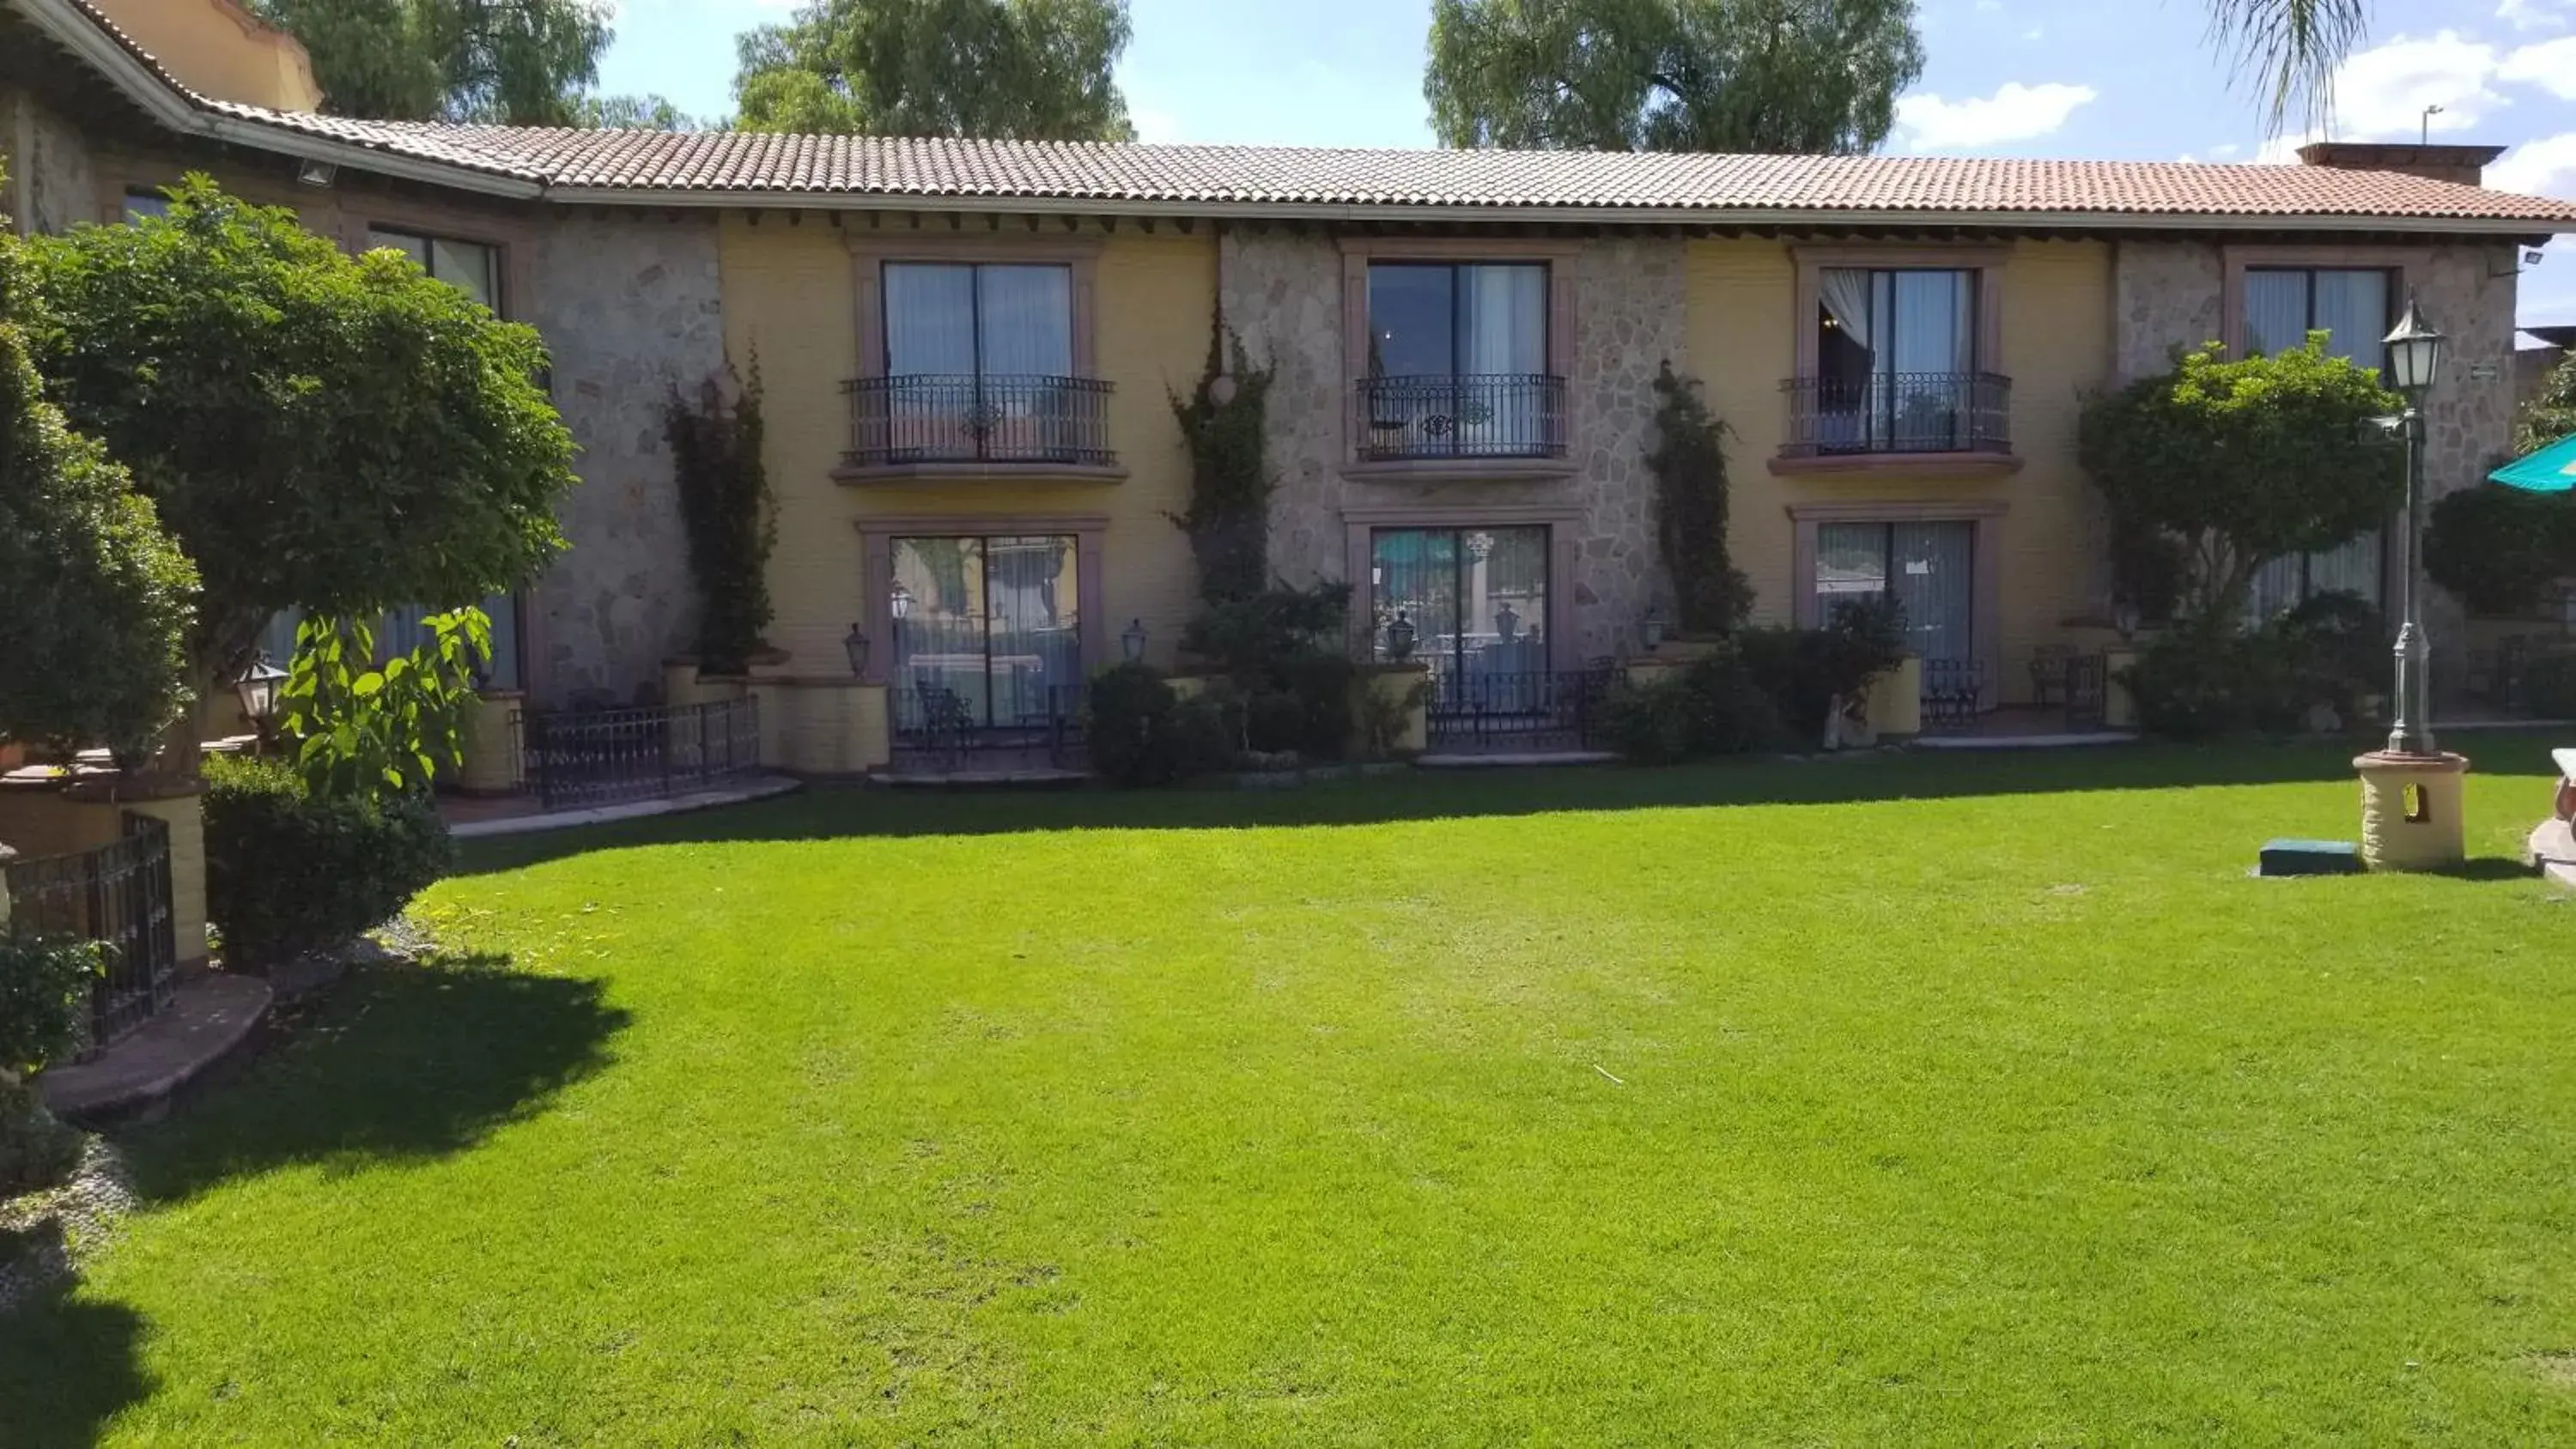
(2290, 48)
(1811, 76)
(96, 596)
(506, 62)
(2245, 461)
(2551, 413)
(356, 725)
(321, 432)
(1689, 463)
(1031, 70)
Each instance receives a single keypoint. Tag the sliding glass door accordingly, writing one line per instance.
(1474, 600)
(1929, 568)
(987, 630)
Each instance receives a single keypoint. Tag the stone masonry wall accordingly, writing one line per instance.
(55, 181)
(1284, 294)
(629, 308)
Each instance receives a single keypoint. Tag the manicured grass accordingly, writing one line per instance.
(1893, 1101)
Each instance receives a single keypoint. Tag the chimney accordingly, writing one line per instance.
(2461, 164)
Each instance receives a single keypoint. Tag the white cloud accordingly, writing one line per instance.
(2549, 64)
(2381, 93)
(2015, 112)
(2546, 167)
(2225, 151)
(2532, 14)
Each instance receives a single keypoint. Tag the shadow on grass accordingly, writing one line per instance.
(837, 812)
(398, 1062)
(66, 1366)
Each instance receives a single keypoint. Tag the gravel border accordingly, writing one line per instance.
(64, 1225)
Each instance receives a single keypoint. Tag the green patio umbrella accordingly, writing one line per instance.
(2551, 470)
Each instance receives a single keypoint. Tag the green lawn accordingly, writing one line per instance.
(1886, 1101)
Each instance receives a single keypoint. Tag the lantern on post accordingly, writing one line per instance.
(257, 691)
(855, 644)
(1132, 639)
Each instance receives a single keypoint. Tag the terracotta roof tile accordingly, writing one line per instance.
(753, 163)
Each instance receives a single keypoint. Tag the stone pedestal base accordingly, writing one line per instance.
(823, 727)
(490, 744)
(2410, 811)
(1896, 701)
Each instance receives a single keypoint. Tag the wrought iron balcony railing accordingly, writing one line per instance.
(979, 418)
(1903, 412)
(1509, 415)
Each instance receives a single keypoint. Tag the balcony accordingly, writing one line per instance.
(1474, 420)
(1936, 422)
(993, 424)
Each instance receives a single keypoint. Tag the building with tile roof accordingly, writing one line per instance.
(968, 350)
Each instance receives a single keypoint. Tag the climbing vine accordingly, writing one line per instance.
(1689, 464)
(726, 507)
(1224, 422)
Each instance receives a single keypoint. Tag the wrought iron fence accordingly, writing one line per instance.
(936, 726)
(1535, 710)
(119, 895)
(1954, 692)
(594, 757)
(1509, 415)
(978, 418)
(1903, 412)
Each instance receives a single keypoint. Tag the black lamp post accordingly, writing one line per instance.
(2414, 365)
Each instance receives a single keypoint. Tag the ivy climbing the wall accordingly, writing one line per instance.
(726, 507)
(1689, 464)
(1225, 423)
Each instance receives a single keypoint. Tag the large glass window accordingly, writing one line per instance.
(1463, 319)
(1473, 599)
(1896, 358)
(470, 267)
(1930, 569)
(987, 630)
(1458, 362)
(142, 201)
(2351, 306)
(971, 320)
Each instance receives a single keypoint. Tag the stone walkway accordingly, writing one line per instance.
(215, 1010)
(521, 815)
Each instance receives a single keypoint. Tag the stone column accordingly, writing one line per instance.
(2411, 811)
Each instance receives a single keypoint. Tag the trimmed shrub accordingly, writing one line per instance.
(1283, 650)
(1713, 708)
(45, 984)
(1805, 670)
(2501, 550)
(1141, 732)
(2198, 683)
(288, 873)
(2341, 648)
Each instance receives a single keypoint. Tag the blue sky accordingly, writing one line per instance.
(2128, 79)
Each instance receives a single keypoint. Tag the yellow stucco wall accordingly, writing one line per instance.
(216, 47)
(2056, 342)
(789, 299)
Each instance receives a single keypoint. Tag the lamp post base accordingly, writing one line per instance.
(2411, 811)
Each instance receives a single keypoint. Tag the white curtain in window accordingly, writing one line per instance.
(1934, 330)
(1931, 569)
(1845, 292)
(2276, 312)
(1502, 320)
(1027, 320)
(2351, 569)
(2353, 306)
(929, 319)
